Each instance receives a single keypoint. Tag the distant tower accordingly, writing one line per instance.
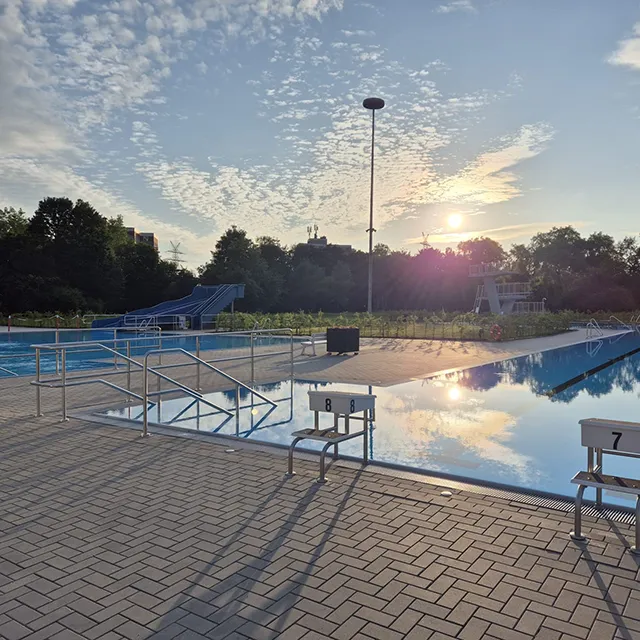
(315, 230)
(309, 231)
(175, 253)
(425, 240)
(506, 297)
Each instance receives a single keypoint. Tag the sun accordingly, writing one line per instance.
(454, 393)
(454, 221)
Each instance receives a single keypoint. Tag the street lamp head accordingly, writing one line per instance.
(373, 103)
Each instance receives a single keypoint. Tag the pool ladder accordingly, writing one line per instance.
(593, 329)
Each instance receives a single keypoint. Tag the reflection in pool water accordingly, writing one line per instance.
(491, 423)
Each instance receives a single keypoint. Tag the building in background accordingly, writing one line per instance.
(322, 241)
(141, 237)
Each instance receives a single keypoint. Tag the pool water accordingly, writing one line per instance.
(19, 346)
(493, 423)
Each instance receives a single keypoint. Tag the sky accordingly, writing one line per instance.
(189, 116)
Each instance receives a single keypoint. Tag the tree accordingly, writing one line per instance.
(308, 286)
(68, 256)
(75, 237)
(237, 259)
(339, 286)
(478, 250)
(13, 223)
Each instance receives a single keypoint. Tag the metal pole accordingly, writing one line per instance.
(57, 353)
(145, 405)
(38, 406)
(365, 437)
(636, 548)
(198, 388)
(291, 355)
(129, 369)
(370, 290)
(237, 410)
(599, 469)
(64, 385)
(159, 361)
(253, 373)
(576, 534)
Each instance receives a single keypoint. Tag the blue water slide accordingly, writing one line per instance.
(203, 301)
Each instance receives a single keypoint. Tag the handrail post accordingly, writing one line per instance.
(64, 385)
(128, 368)
(291, 338)
(237, 410)
(253, 373)
(57, 353)
(145, 398)
(198, 387)
(159, 360)
(38, 405)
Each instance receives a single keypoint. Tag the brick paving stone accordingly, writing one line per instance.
(106, 537)
(12, 630)
(349, 628)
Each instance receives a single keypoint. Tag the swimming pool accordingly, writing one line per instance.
(504, 422)
(17, 355)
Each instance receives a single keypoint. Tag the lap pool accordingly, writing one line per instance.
(513, 422)
(17, 355)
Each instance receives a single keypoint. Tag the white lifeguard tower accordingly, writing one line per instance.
(504, 298)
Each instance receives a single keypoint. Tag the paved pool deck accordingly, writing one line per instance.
(104, 535)
(384, 362)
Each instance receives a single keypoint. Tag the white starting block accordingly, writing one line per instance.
(607, 437)
(343, 405)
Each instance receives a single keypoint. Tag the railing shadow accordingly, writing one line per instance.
(234, 593)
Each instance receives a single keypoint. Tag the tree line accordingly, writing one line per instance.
(68, 257)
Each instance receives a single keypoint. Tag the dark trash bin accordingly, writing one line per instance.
(343, 340)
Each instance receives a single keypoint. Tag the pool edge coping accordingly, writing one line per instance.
(509, 493)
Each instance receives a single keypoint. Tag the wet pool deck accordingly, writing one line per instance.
(104, 535)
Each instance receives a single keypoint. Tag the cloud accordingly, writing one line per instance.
(321, 167)
(88, 103)
(456, 5)
(357, 32)
(489, 179)
(501, 234)
(57, 181)
(628, 52)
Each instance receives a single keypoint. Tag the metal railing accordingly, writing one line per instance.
(593, 329)
(11, 373)
(490, 268)
(507, 290)
(29, 351)
(529, 307)
(63, 380)
(146, 393)
(618, 321)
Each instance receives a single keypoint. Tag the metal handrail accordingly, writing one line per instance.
(189, 391)
(59, 350)
(11, 373)
(53, 385)
(624, 324)
(62, 345)
(64, 384)
(593, 328)
(208, 366)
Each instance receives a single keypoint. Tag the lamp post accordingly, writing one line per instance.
(373, 104)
